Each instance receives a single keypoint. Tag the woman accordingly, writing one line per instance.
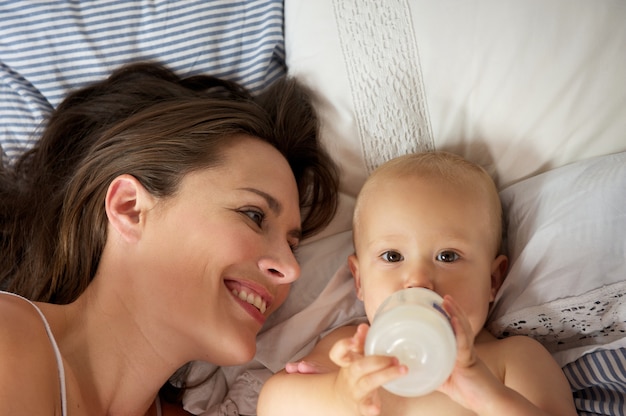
(154, 224)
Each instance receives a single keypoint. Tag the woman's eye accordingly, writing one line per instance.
(447, 256)
(392, 256)
(254, 215)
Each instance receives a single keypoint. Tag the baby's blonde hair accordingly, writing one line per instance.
(444, 166)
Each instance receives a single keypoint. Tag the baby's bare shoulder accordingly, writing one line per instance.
(508, 345)
(519, 344)
(528, 368)
(518, 357)
(503, 355)
(336, 334)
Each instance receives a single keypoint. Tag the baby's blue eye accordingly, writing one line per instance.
(447, 256)
(392, 256)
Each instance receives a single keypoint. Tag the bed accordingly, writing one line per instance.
(534, 91)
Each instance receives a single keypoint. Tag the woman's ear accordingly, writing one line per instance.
(126, 202)
(353, 264)
(498, 272)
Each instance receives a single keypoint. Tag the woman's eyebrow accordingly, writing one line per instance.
(272, 202)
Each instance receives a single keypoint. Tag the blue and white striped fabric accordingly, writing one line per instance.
(598, 381)
(48, 47)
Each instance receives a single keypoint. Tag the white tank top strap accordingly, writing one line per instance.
(159, 411)
(158, 406)
(57, 353)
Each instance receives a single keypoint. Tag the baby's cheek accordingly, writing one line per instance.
(477, 319)
(371, 306)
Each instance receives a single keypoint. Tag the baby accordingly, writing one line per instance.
(430, 220)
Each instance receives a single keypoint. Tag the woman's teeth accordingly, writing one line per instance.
(252, 299)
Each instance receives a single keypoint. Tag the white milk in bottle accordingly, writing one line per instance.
(412, 326)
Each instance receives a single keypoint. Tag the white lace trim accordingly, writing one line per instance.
(381, 55)
(597, 317)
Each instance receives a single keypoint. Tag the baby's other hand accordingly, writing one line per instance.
(307, 367)
(464, 334)
(470, 375)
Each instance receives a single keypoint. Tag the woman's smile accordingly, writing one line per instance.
(253, 298)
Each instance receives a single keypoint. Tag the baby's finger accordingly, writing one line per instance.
(463, 332)
(373, 371)
(306, 367)
(342, 353)
(358, 339)
(346, 350)
(370, 406)
(364, 377)
(291, 368)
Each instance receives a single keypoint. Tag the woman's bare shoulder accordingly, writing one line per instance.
(28, 367)
(19, 321)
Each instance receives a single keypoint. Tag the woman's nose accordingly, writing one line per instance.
(281, 266)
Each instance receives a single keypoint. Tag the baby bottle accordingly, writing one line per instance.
(412, 326)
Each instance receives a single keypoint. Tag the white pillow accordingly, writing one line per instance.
(566, 284)
(520, 87)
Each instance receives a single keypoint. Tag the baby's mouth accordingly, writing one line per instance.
(252, 298)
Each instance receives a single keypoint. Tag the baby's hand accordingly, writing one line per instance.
(307, 367)
(359, 376)
(470, 375)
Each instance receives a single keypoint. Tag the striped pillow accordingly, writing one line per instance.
(50, 47)
(598, 381)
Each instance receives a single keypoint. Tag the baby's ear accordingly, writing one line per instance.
(126, 202)
(498, 273)
(353, 264)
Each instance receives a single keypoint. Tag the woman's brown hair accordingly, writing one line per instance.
(147, 122)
